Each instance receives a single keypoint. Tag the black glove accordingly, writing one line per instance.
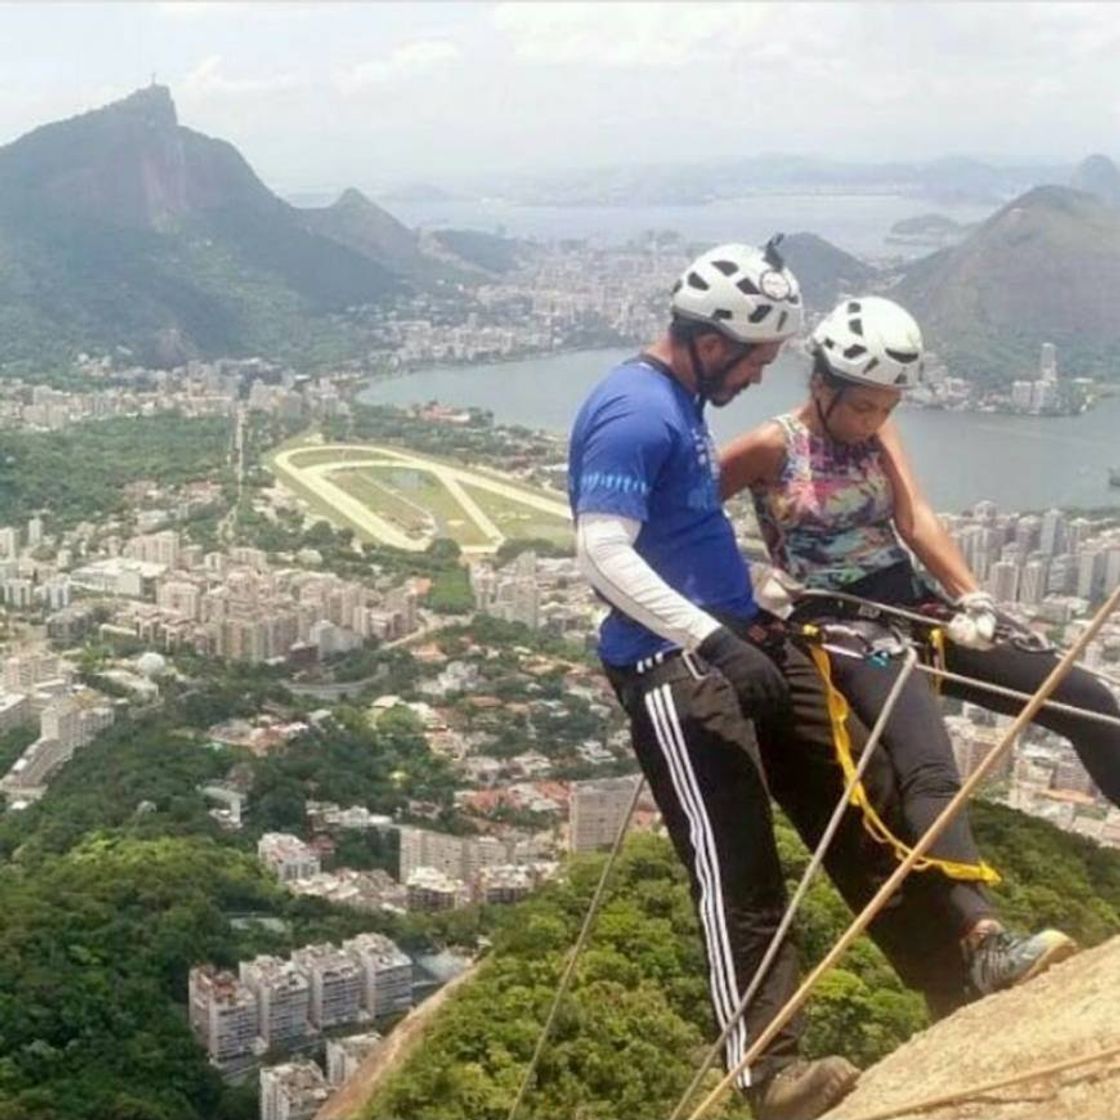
(759, 684)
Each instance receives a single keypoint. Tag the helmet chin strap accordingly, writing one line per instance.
(824, 413)
(709, 382)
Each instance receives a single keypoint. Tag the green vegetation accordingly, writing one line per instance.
(382, 500)
(637, 1017)
(80, 473)
(237, 275)
(519, 521)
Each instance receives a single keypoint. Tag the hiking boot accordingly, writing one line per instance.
(803, 1090)
(1001, 960)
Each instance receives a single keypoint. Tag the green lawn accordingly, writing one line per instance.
(388, 491)
(382, 500)
(518, 521)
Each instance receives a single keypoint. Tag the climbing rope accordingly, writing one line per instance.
(867, 915)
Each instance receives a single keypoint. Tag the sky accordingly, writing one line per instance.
(325, 95)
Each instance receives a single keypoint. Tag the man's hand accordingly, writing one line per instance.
(759, 684)
(974, 624)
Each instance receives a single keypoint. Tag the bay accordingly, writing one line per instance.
(857, 223)
(1021, 463)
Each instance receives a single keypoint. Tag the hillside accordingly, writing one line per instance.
(826, 273)
(120, 227)
(1045, 268)
(1071, 1012)
(1098, 175)
(637, 1018)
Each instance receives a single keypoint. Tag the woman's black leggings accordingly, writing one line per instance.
(916, 742)
(1097, 744)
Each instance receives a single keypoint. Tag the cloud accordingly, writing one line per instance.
(208, 79)
(632, 36)
(190, 9)
(406, 61)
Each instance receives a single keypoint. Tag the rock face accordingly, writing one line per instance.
(1070, 1012)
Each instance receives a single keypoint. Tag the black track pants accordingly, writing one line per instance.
(700, 758)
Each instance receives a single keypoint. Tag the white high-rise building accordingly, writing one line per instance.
(1052, 535)
(283, 998)
(1022, 394)
(1003, 581)
(598, 809)
(1027, 532)
(386, 974)
(1090, 574)
(1048, 362)
(345, 1055)
(336, 984)
(1112, 569)
(288, 856)
(223, 1012)
(1032, 582)
(292, 1091)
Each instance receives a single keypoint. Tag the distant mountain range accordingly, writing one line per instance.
(122, 227)
(951, 179)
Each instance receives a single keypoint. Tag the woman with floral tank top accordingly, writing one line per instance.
(839, 509)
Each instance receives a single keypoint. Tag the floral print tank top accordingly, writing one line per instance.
(827, 519)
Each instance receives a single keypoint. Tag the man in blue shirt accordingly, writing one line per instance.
(655, 542)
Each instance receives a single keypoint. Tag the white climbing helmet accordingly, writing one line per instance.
(745, 293)
(871, 341)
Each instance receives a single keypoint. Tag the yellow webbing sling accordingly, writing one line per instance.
(838, 712)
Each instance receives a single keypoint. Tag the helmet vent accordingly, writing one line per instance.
(760, 313)
(782, 320)
(747, 286)
(676, 287)
(728, 268)
(855, 350)
(871, 365)
(856, 326)
(901, 379)
(853, 307)
(695, 280)
(904, 356)
(722, 313)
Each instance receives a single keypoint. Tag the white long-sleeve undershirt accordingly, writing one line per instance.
(607, 557)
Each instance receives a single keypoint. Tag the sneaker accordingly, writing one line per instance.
(1001, 960)
(803, 1090)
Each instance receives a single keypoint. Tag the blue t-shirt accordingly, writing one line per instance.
(640, 448)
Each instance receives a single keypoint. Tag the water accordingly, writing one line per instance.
(960, 458)
(856, 223)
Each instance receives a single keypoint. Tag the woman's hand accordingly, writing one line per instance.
(974, 624)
